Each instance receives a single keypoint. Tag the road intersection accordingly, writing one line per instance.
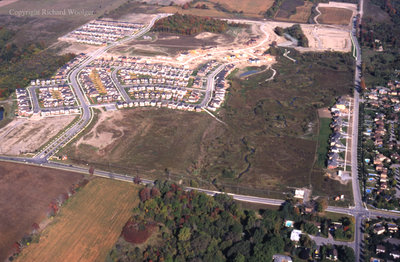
(359, 211)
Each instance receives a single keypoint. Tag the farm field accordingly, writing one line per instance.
(301, 15)
(212, 12)
(88, 225)
(268, 144)
(25, 194)
(249, 7)
(334, 16)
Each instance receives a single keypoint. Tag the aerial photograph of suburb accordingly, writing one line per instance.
(199, 130)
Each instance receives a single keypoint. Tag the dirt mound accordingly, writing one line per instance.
(136, 233)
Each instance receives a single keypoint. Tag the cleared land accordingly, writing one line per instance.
(334, 16)
(25, 195)
(301, 14)
(88, 225)
(26, 135)
(268, 145)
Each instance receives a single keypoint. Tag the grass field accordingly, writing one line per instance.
(288, 8)
(268, 145)
(88, 225)
(200, 12)
(47, 28)
(334, 16)
(323, 141)
(301, 15)
(25, 194)
(248, 7)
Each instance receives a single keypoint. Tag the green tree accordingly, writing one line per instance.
(184, 234)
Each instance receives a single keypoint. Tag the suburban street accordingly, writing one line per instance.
(359, 210)
(86, 117)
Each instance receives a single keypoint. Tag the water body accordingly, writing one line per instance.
(249, 73)
(1, 113)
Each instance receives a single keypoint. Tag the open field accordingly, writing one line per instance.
(88, 225)
(268, 145)
(42, 27)
(301, 14)
(200, 12)
(27, 135)
(25, 194)
(7, 2)
(248, 7)
(335, 16)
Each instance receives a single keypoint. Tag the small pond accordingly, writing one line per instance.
(1, 113)
(249, 73)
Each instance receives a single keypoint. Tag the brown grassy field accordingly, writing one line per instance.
(88, 225)
(25, 195)
(275, 119)
(302, 14)
(249, 7)
(200, 12)
(334, 16)
(47, 28)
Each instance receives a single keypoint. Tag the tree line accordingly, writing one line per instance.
(21, 64)
(191, 25)
(193, 226)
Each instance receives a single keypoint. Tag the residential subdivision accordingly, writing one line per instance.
(381, 145)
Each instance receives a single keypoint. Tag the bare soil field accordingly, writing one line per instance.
(170, 45)
(25, 194)
(27, 135)
(320, 37)
(335, 16)
(88, 226)
(326, 38)
(301, 15)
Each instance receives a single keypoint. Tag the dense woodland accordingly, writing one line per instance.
(20, 64)
(189, 226)
(191, 25)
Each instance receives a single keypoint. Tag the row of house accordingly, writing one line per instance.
(99, 32)
(220, 89)
(206, 68)
(98, 84)
(24, 103)
(143, 73)
(56, 96)
(160, 104)
(60, 111)
(337, 145)
(165, 93)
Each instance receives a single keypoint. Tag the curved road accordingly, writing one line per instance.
(60, 141)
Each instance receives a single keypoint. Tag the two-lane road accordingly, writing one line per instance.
(69, 134)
